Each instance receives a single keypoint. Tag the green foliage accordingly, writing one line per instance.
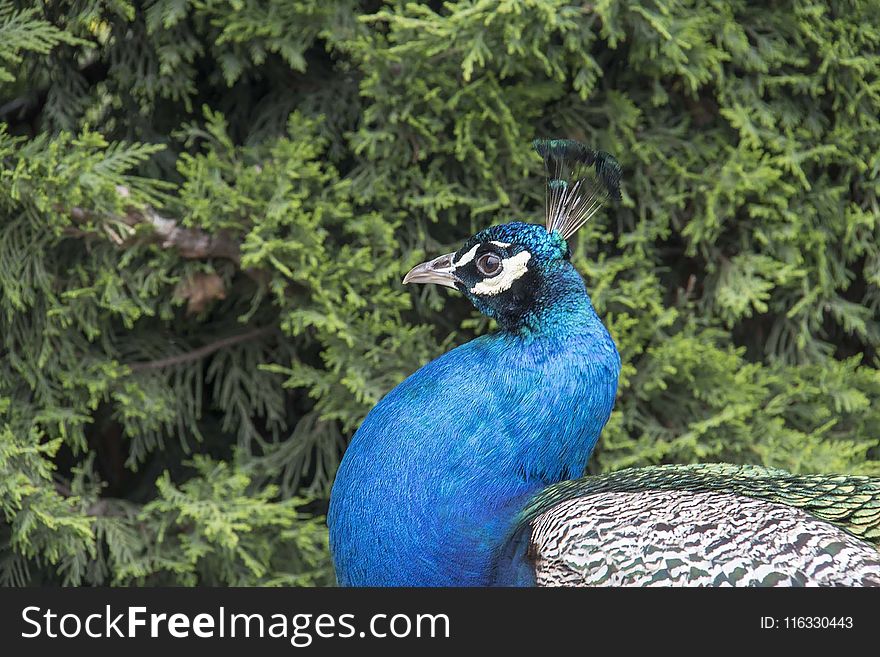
(206, 208)
(22, 30)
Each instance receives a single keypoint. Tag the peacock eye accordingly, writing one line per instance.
(489, 264)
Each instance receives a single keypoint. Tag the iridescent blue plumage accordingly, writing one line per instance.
(435, 476)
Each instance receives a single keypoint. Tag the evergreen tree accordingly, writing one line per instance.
(206, 208)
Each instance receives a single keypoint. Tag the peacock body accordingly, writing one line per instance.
(464, 474)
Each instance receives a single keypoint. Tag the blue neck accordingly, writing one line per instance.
(430, 485)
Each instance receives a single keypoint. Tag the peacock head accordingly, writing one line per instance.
(518, 273)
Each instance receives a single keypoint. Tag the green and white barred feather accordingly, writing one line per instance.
(707, 525)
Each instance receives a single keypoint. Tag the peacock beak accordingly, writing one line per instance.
(439, 270)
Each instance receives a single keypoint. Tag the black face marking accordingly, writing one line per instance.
(496, 278)
(519, 300)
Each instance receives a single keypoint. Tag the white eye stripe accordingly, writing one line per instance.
(512, 269)
(467, 257)
(470, 255)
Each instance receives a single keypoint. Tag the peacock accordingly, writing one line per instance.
(469, 472)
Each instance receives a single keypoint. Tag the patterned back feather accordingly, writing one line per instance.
(579, 181)
(850, 502)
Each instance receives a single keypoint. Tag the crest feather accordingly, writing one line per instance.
(579, 181)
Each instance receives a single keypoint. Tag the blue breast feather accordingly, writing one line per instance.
(431, 484)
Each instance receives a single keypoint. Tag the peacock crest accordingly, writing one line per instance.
(580, 180)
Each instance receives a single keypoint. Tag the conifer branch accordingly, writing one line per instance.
(201, 352)
(191, 243)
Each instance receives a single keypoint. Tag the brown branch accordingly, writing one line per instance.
(192, 243)
(201, 352)
(102, 507)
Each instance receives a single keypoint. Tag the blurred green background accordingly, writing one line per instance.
(206, 209)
